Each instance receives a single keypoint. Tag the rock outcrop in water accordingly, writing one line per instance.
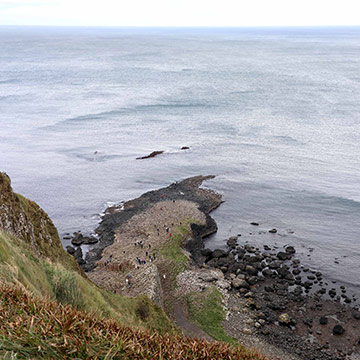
(186, 190)
(151, 155)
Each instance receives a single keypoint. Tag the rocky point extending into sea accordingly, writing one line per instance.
(273, 302)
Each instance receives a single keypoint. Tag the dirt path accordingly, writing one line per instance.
(188, 328)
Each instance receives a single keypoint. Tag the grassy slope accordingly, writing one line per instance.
(31, 328)
(19, 265)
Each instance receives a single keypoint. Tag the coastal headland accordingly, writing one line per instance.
(262, 298)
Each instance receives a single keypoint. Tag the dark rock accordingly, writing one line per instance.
(311, 277)
(151, 155)
(185, 148)
(206, 252)
(251, 270)
(78, 253)
(254, 259)
(254, 223)
(213, 263)
(296, 272)
(282, 256)
(218, 253)
(89, 240)
(252, 280)
(273, 231)
(290, 250)
(338, 330)
(274, 265)
(241, 253)
(232, 242)
(268, 273)
(356, 315)
(78, 239)
(70, 250)
(323, 320)
(283, 271)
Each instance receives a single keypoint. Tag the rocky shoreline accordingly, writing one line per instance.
(272, 300)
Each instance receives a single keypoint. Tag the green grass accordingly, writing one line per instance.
(173, 250)
(34, 328)
(44, 278)
(206, 311)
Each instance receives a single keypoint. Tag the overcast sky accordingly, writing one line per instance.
(180, 12)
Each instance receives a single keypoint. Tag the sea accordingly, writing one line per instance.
(273, 113)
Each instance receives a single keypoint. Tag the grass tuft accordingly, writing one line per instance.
(206, 310)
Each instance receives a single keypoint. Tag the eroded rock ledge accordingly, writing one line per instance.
(186, 190)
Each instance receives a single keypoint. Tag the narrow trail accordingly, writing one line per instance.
(189, 329)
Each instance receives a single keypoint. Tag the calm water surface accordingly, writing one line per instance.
(274, 113)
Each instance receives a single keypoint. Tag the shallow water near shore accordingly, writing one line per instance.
(273, 113)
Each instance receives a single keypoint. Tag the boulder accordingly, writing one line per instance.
(70, 250)
(282, 256)
(78, 239)
(273, 231)
(290, 250)
(323, 320)
(218, 253)
(240, 283)
(185, 148)
(251, 270)
(223, 284)
(206, 252)
(356, 315)
(338, 330)
(89, 240)
(284, 319)
(232, 242)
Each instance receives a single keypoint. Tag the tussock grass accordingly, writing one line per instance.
(34, 328)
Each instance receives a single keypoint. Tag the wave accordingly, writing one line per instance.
(9, 81)
(121, 112)
(287, 139)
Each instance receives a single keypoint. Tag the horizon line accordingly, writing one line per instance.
(180, 26)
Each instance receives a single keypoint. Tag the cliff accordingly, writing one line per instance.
(25, 220)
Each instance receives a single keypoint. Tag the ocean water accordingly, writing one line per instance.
(273, 113)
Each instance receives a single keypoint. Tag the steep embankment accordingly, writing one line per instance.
(31, 256)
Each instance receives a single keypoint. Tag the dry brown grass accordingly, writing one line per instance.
(32, 328)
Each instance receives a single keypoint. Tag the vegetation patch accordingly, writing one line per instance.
(173, 250)
(19, 265)
(206, 311)
(34, 328)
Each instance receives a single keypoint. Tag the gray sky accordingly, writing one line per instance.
(180, 12)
